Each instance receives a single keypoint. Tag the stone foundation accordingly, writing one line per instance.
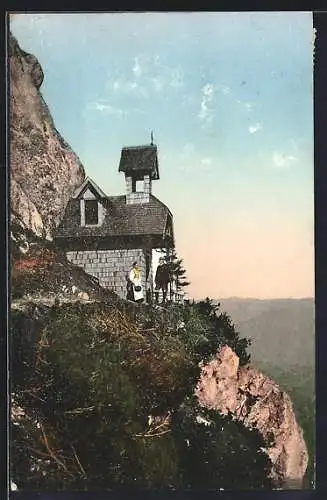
(112, 267)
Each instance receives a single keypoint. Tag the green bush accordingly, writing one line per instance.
(112, 389)
(207, 329)
(218, 452)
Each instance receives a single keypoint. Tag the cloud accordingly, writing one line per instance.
(203, 114)
(165, 76)
(248, 105)
(124, 86)
(137, 69)
(177, 78)
(206, 113)
(147, 74)
(158, 83)
(255, 128)
(281, 160)
(206, 161)
(141, 65)
(105, 107)
(224, 89)
(208, 90)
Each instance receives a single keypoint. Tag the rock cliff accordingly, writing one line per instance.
(44, 170)
(258, 402)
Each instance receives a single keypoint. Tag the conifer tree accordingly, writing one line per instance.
(177, 271)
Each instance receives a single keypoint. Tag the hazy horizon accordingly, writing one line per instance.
(258, 298)
(233, 122)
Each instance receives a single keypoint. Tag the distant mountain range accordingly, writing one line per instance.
(282, 330)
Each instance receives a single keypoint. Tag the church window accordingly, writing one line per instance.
(91, 212)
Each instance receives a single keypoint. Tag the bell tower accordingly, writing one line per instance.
(140, 165)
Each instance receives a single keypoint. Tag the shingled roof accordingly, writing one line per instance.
(89, 183)
(140, 160)
(120, 219)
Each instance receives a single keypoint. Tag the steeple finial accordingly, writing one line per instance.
(151, 137)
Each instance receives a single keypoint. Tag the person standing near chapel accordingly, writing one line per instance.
(135, 277)
(162, 279)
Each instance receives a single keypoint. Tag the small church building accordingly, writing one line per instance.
(106, 234)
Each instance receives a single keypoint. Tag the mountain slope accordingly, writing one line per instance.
(282, 330)
(283, 347)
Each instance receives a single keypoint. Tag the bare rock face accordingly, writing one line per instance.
(44, 170)
(258, 402)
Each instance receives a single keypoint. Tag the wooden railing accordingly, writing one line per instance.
(173, 296)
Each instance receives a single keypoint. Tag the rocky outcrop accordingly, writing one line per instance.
(44, 170)
(258, 402)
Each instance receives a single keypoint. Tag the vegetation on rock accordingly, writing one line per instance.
(103, 395)
(176, 269)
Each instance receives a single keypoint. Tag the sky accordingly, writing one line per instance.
(229, 97)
